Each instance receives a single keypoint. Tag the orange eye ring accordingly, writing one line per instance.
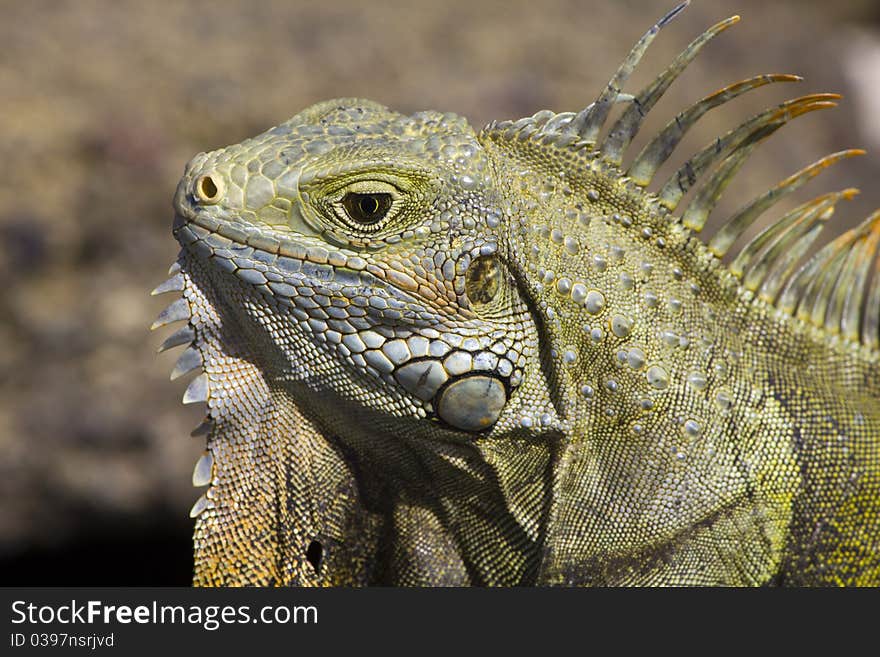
(209, 188)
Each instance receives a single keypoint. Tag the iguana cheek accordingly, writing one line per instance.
(473, 403)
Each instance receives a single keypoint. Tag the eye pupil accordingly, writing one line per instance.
(368, 205)
(367, 208)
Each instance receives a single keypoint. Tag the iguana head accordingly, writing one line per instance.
(378, 245)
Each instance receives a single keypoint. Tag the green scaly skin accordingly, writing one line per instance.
(526, 372)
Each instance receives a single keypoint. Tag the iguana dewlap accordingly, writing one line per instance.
(433, 356)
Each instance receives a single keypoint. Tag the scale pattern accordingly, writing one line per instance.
(432, 356)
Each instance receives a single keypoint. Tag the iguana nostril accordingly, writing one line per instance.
(209, 188)
(482, 280)
(473, 403)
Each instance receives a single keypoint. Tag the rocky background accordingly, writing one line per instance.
(101, 105)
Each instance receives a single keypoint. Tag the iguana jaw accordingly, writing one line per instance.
(394, 444)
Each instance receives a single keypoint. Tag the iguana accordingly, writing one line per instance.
(435, 356)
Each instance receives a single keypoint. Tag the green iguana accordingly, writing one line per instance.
(433, 356)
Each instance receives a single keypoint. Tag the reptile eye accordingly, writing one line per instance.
(367, 209)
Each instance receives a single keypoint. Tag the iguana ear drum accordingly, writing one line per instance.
(482, 280)
(472, 403)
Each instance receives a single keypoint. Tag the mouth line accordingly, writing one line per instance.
(266, 238)
(239, 250)
(222, 242)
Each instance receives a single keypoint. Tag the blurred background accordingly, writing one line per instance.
(102, 104)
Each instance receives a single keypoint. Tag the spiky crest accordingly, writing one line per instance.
(837, 290)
